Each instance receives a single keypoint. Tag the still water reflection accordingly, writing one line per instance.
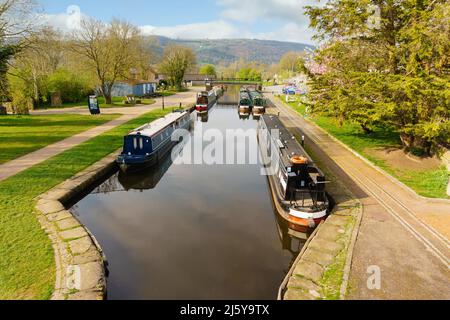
(191, 231)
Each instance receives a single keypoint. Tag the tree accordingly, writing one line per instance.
(176, 62)
(250, 74)
(386, 64)
(16, 24)
(292, 62)
(208, 70)
(42, 56)
(72, 87)
(109, 50)
(144, 58)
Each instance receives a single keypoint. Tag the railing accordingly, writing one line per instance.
(234, 80)
(315, 194)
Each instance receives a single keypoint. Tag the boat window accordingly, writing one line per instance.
(135, 143)
(141, 143)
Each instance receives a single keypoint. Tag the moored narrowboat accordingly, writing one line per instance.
(207, 99)
(258, 101)
(245, 102)
(146, 145)
(297, 184)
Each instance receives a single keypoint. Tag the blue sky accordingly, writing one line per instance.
(261, 19)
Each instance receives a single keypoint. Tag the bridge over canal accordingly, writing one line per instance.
(234, 81)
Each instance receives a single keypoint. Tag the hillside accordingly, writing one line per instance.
(230, 50)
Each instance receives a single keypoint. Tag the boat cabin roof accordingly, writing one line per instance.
(287, 143)
(150, 129)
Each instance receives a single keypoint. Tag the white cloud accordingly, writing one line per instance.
(290, 12)
(66, 22)
(255, 10)
(210, 30)
(238, 19)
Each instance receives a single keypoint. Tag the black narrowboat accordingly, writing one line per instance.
(297, 184)
(145, 146)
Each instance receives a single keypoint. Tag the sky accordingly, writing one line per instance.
(282, 20)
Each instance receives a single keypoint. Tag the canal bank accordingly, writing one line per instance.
(80, 261)
(321, 270)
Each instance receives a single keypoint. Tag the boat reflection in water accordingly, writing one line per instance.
(203, 117)
(244, 114)
(291, 240)
(149, 179)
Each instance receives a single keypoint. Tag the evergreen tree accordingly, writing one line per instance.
(386, 64)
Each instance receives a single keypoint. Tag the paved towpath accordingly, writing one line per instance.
(13, 167)
(402, 234)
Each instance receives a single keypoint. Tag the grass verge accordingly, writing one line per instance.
(25, 134)
(117, 102)
(430, 183)
(27, 267)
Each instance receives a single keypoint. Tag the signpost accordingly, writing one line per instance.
(94, 108)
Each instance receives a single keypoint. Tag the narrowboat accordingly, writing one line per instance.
(146, 145)
(245, 102)
(149, 178)
(258, 101)
(207, 99)
(298, 186)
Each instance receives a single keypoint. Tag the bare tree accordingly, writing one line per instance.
(17, 18)
(176, 62)
(42, 56)
(109, 49)
(16, 24)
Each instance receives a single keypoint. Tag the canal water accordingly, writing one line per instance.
(183, 231)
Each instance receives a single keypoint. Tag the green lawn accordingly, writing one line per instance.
(168, 93)
(27, 268)
(24, 134)
(116, 102)
(428, 183)
(119, 102)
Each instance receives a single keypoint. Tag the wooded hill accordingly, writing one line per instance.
(231, 50)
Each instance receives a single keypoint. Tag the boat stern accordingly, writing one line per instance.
(307, 219)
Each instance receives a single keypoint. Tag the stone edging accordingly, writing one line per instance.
(80, 263)
(334, 238)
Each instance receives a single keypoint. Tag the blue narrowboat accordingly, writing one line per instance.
(146, 145)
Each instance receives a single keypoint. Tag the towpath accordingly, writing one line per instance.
(402, 235)
(13, 167)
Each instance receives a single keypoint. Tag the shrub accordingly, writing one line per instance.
(72, 88)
